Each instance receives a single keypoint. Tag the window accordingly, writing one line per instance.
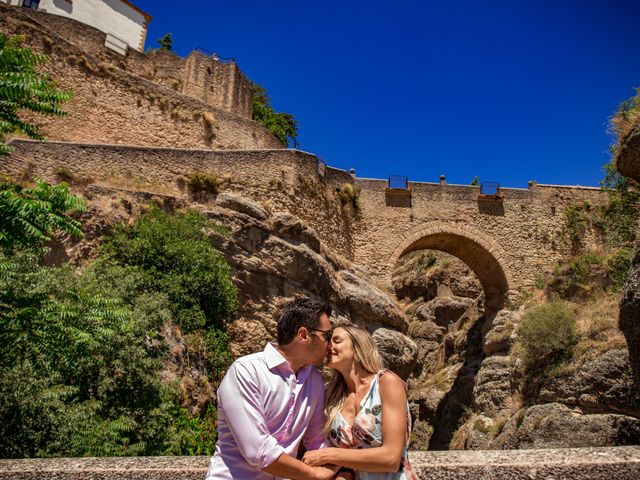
(33, 4)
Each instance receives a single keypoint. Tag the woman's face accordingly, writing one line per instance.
(340, 355)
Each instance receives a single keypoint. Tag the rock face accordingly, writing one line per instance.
(419, 274)
(275, 258)
(493, 388)
(399, 351)
(556, 426)
(630, 316)
(604, 384)
(628, 164)
(628, 161)
(498, 331)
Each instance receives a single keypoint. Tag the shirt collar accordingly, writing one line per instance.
(275, 359)
(273, 356)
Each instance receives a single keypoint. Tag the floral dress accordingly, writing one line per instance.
(366, 432)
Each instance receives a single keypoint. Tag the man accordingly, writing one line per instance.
(270, 401)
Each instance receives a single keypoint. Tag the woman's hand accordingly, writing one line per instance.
(316, 458)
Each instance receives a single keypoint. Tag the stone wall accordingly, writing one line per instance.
(282, 180)
(620, 463)
(522, 232)
(200, 76)
(507, 242)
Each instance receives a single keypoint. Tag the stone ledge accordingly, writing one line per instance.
(619, 463)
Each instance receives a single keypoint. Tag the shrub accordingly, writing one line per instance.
(173, 255)
(426, 260)
(200, 183)
(349, 195)
(619, 264)
(546, 335)
(63, 174)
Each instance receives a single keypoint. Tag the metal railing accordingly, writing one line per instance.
(398, 182)
(489, 188)
(213, 55)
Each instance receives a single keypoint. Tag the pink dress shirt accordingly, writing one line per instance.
(265, 410)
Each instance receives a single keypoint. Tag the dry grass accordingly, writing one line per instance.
(137, 183)
(627, 117)
(597, 323)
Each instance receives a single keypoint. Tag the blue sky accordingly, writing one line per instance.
(505, 90)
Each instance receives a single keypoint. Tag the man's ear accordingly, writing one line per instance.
(303, 333)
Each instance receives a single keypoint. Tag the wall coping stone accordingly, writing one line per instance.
(603, 463)
(16, 141)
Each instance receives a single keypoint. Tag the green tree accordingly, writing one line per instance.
(31, 216)
(23, 88)
(83, 354)
(166, 42)
(620, 218)
(282, 125)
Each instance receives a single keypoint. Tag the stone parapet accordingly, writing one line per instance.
(620, 463)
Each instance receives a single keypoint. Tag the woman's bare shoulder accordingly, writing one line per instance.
(389, 380)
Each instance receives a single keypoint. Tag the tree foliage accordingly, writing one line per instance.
(83, 354)
(23, 88)
(31, 216)
(282, 125)
(166, 42)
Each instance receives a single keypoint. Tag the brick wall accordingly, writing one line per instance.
(508, 243)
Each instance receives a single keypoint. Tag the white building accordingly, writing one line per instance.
(118, 18)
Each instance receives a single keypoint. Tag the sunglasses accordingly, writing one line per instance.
(325, 333)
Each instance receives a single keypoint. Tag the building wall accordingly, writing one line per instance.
(111, 105)
(221, 85)
(110, 16)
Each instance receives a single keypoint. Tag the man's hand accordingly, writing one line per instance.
(344, 475)
(288, 467)
(323, 473)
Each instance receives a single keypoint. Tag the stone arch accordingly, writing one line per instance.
(481, 253)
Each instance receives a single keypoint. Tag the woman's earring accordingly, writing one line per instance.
(356, 358)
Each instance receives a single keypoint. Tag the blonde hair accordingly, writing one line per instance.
(370, 360)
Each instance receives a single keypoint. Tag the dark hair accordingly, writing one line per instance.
(301, 312)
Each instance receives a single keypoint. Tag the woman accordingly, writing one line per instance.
(360, 394)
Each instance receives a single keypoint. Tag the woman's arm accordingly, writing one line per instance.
(385, 458)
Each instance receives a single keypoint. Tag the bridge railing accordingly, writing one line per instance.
(398, 182)
(603, 463)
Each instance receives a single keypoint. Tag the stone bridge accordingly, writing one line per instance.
(506, 240)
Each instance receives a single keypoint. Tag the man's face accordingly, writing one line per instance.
(320, 336)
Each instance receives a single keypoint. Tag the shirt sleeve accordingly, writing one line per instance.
(314, 436)
(239, 396)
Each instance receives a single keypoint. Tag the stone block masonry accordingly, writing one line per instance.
(506, 242)
(282, 180)
(113, 105)
(619, 463)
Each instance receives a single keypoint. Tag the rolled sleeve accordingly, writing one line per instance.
(238, 396)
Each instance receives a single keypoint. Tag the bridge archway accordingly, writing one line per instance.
(482, 254)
